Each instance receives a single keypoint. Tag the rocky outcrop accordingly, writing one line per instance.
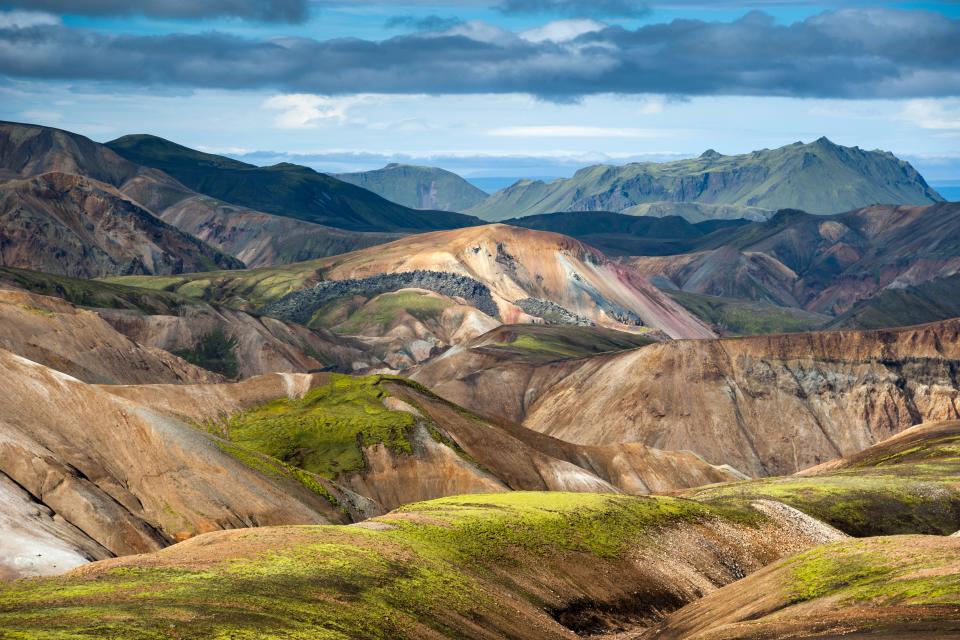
(299, 306)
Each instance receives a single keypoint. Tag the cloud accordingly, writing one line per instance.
(577, 8)
(24, 19)
(562, 30)
(933, 114)
(306, 111)
(261, 10)
(422, 23)
(879, 53)
(573, 131)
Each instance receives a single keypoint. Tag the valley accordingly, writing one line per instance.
(706, 398)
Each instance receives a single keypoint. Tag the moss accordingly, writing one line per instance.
(378, 314)
(215, 351)
(273, 468)
(325, 431)
(431, 571)
(872, 571)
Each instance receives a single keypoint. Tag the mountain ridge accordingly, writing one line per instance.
(418, 187)
(820, 177)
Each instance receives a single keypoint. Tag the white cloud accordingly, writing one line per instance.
(562, 30)
(24, 19)
(307, 111)
(933, 114)
(572, 131)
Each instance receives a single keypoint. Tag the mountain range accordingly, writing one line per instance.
(819, 177)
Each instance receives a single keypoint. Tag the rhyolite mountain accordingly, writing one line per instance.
(819, 177)
(418, 187)
(283, 189)
(67, 224)
(255, 237)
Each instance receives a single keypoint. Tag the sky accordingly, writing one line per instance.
(487, 88)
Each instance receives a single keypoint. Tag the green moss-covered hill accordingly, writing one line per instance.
(907, 484)
(887, 587)
(516, 565)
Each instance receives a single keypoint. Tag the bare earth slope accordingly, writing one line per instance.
(75, 226)
(766, 405)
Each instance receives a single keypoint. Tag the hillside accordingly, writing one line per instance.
(28, 151)
(518, 565)
(895, 587)
(820, 177)
(824, 264)
(75, 226)
(134, 468)
(618, 234)
(516, 274)
(929, 301)
(734, 401)
(418, 187)
(284, 189)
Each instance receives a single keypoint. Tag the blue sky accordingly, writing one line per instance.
(490, 88)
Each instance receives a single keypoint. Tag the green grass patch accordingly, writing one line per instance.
(379, 313)
(215, 351)
(325, 431)
(875, 572)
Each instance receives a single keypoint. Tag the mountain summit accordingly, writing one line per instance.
(418, 187)
(820, 177)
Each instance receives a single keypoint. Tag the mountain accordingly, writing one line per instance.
(27, 151)
(283, 189)
(887, 587)
(937, 299)
(764, 405)
(507, 273)
(71, 225)
(118, 469)
(820, 177)
(824, 264)
(418, 187)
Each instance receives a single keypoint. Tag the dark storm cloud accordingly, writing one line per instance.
(422, 23)
(265, 10)
(852, 53)
(577, 8)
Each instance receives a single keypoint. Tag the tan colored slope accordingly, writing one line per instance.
(79, 343)
(767, 405)
(264, 344)
(129, 478)
(884, 588)
(518, 263)
(261, 239)
(408, 326)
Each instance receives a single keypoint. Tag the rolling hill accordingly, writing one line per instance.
(517, 275)
(820, 177)
(418, 187)
(284, 189)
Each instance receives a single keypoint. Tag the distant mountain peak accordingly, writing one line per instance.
(710, 154)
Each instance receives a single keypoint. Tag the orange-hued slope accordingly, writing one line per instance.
(520, 263)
